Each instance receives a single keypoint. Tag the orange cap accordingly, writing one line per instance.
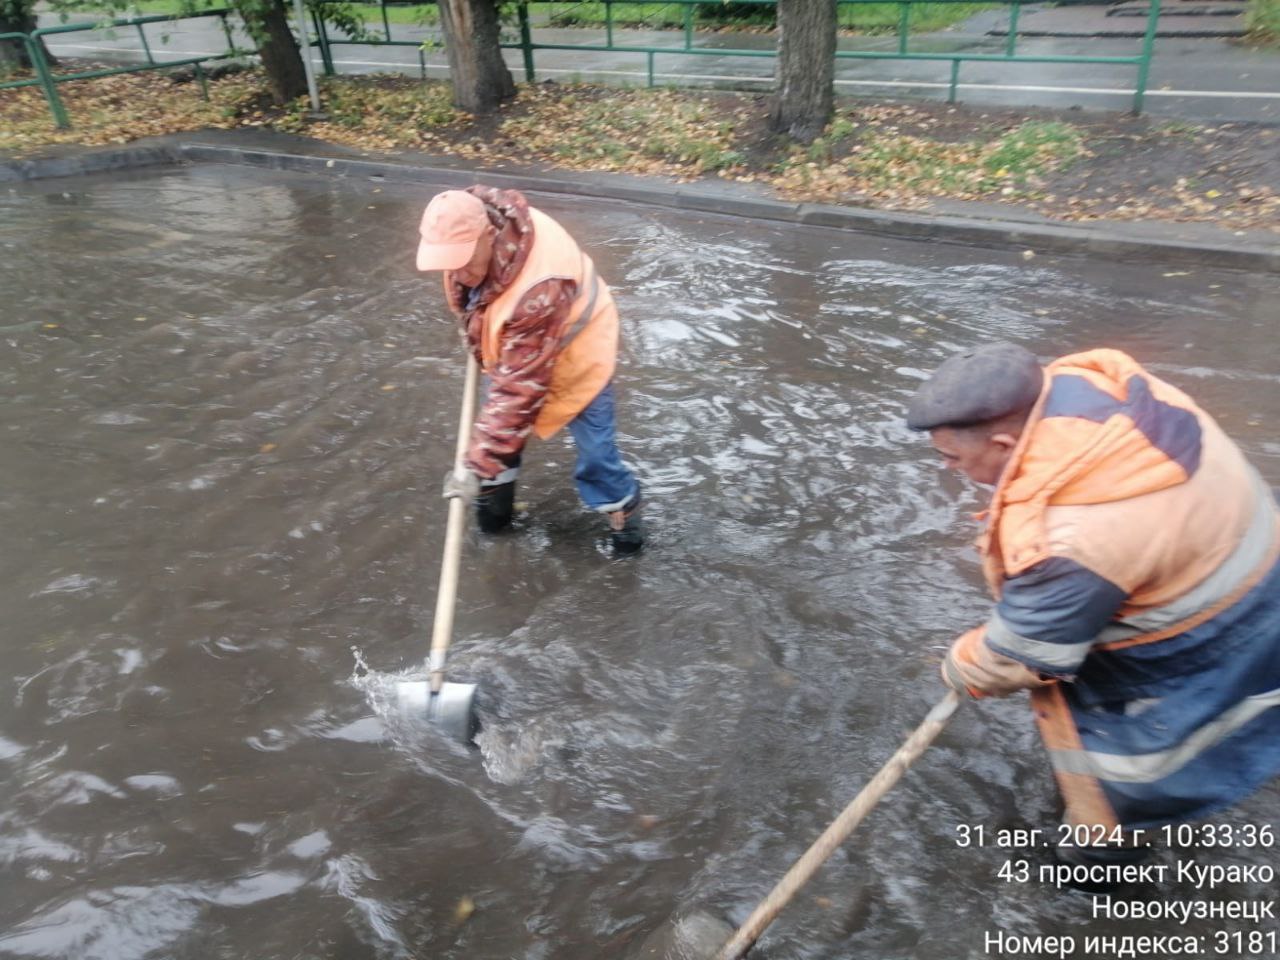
(451, 225)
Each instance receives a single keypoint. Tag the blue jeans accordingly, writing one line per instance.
(604, 482)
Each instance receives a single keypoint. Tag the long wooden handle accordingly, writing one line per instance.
(446, 597)
(839, 831)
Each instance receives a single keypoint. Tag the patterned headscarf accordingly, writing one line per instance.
(508, 211)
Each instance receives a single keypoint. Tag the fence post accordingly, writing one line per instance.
(142, 35)
(226, 29)
(35, 50)
(1013, 29)
(322, 35)
(904, 25)
(688, 26)
(955, 78)
(526, 42)
(1148, 49)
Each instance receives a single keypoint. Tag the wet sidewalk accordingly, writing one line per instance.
(1178, 18)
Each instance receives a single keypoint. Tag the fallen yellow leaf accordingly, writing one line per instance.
(463, 911)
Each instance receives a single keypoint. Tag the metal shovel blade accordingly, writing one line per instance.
(697, 936)
(453, 709)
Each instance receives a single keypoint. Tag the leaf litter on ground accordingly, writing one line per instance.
(886, 155)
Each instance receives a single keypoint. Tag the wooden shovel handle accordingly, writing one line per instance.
(446, 597)
(839, 830)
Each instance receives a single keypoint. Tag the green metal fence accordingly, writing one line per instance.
(687, 46)
(48, 80)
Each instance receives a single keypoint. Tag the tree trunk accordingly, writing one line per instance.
(18, 18)
(806, 68)
(480, 76)
(268, 24)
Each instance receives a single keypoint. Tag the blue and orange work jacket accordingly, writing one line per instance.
(1133, 553)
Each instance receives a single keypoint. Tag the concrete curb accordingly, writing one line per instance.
(97, 161)
(1078, 239)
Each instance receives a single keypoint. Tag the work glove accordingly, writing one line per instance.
(972, 668)
(953, 675)
(461, 483)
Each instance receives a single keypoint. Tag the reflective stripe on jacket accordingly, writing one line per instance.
(589, 340)
(1133, 552)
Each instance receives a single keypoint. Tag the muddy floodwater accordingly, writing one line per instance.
(228, 401)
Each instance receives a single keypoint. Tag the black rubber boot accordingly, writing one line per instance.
(495, 506)
(625, 530)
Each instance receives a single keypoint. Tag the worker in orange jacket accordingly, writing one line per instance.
(544, 328)
(1134, 556)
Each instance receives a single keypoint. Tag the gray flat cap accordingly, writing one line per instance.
(975, 386)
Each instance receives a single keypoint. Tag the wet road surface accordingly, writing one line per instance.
(229, 400)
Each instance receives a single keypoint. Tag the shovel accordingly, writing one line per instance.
(839, 831)
(703, 936)
(450, 706)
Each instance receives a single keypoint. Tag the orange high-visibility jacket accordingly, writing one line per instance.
(588, 349)
(1133, 553)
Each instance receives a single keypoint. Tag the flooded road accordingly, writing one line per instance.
(228, 403)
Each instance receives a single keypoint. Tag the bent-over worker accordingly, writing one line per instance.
(544, 328)
(1133, 555)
